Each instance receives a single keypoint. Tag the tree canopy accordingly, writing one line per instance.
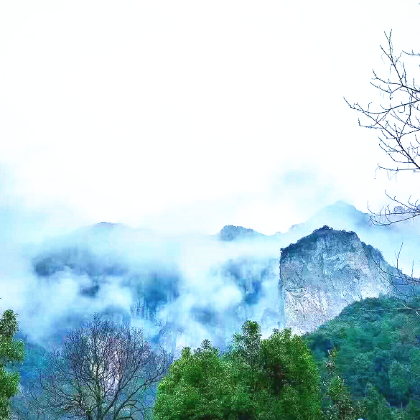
(378, 354)
(255, 379)
(10, 352)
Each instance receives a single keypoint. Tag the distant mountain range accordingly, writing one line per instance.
(182, 290)
(340, 215)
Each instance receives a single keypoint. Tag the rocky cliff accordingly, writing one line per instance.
(181, 293)
(325, 271)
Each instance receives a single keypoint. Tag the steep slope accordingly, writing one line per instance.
(324, 272)
(388, 239)
(378, 342)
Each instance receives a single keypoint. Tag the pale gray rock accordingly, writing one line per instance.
(324, 272)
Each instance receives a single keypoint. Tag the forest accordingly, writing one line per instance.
(365, 363)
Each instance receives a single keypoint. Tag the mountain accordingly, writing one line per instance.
(178, 290)
(232, 233)
(182, 290)
(341, 215)
(113, 268)
(324, 272)
(389, 239)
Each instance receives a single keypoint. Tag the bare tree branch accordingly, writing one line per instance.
(399, 124)
(103, 372)
(403, 286)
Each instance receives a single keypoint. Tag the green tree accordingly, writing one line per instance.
(10, 351)
(386, 353)
(245, 363)
(250, 396)
(399, 380)
(256, 379)
(275, 376)
(292, 376)
(198, 386)
(411, 412)
(340, 404)
(376, 405)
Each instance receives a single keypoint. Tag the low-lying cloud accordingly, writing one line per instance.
(180, 289)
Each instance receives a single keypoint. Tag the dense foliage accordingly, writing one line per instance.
(256, 379)
(10, 351)
(337, 401)
(308, 243)
(378, 343)
(363, 364)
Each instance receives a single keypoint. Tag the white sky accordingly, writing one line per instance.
(190, 115)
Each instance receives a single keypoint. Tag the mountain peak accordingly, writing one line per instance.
(309, 242)
(325, 271)
(232, 233)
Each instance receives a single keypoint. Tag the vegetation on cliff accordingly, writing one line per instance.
(378, 344)
(308, 243)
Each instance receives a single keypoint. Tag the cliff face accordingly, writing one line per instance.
(324, 272)
(181, 295)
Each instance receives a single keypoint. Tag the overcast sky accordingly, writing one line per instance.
(190, 115)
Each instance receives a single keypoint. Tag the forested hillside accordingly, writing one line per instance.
(378, 343)
(368, 360)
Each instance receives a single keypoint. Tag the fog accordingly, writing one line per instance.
(59, 282)
(180, 289)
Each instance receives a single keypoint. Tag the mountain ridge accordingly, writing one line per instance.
(240, 280)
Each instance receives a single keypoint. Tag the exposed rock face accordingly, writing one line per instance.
(139, 278)
(324, 272)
